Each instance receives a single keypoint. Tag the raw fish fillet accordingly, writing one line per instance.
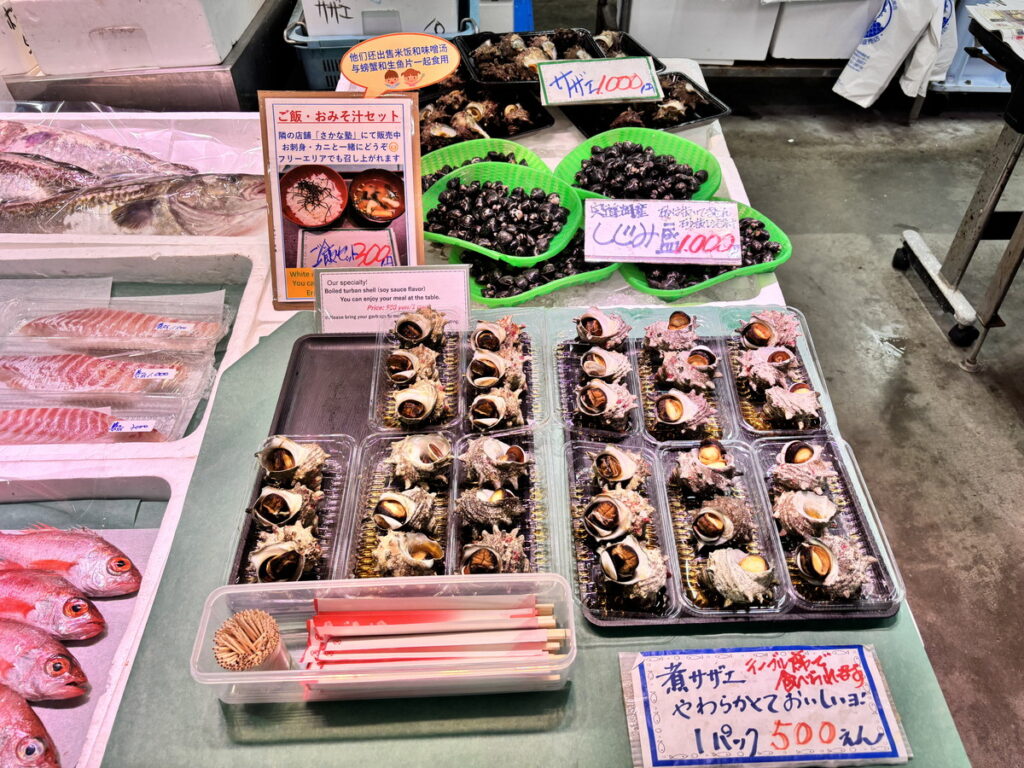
(77, 373)
(22, 426)
(119, 324)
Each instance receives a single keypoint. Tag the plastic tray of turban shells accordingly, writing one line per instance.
(706, 481)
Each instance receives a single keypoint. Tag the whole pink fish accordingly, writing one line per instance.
(24, 742)
(49, 602)
(81, 556)
(36, 666)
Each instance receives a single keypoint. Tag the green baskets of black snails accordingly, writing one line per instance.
(464, 153)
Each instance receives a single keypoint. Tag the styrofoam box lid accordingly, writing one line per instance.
(79, 36)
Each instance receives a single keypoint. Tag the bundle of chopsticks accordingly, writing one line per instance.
(432, 631)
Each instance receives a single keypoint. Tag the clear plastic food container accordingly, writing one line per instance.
(292, 605)
(698, 597)
(329, 531)
(855, 520)
(28, 364)
(119, 323)
(58, 417)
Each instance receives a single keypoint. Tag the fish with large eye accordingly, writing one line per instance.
(37, 666)
(83, 557)
(46, 600)
(24, 742)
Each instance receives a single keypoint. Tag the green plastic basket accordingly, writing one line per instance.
(633, 275)
(512, 176)
(456, 155)
(662, 143)
(476, 292)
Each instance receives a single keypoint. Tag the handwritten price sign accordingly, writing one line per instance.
(777, 706)
(666, 231)
(349, 248)
(590, 81)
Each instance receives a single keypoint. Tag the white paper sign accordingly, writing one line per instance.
(349, 248)
(361, 300)
(774, 706)
(662, 231)
(592, 81)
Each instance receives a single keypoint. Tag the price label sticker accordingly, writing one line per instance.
(130, 425)
(767, 706)
(349, 248)
(174, 327)
(662, 231)
(155, 373)
(594, 81)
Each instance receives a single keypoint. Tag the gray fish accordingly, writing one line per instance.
(210, 204)
(96, 155)
(34, 177)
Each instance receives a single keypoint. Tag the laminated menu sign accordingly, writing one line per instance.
(358, 300)
(342, 185)
(593, 81)
(766, 706)
(662, 231)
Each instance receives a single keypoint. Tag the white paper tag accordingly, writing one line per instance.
(357, 300)
(595, 81)
(131, 425)
(662, 231)
(173, 327)
(155, 373)
(769, 706)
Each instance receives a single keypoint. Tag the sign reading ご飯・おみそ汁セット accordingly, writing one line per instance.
(564, 82)
(338, 165)
(662, 231)
(768, 706)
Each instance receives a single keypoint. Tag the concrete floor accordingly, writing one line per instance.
(942, 450)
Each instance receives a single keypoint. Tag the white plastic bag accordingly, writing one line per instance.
(933, 53)
(895, 31)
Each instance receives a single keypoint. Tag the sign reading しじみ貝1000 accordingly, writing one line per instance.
(343, 186)
(664, 231)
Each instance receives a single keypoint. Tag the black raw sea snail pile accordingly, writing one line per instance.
(405, 513)
(511, 221)
(617, 520)
(757, 248)
(430, 179)
(632, 171)
(500, 280)
(830, 564)
(491, 507)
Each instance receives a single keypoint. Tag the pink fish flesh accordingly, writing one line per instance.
(81, 556)
(36, 666)
(77, 373)
(50, 602)
(119, 324)
(23, 426)
(24, 742)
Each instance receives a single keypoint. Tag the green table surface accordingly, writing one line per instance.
(167, 719)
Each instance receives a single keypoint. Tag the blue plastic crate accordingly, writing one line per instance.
(321, 56)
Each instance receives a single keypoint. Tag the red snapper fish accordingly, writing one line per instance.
(49, 602)
(24, 742)
(81, 556)
(36, 666)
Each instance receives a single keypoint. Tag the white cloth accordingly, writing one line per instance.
(900, 27)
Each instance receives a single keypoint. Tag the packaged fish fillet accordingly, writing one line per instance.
(30, 418)
(163, 323)
(39, 365)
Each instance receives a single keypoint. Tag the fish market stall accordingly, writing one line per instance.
(564, 483)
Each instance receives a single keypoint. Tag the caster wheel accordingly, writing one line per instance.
(963, 335)
(901, 259)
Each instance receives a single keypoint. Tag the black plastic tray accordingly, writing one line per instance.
(525, 97)
(592, 119)
(469, 43)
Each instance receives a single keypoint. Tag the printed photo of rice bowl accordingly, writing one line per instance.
(313, 196)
